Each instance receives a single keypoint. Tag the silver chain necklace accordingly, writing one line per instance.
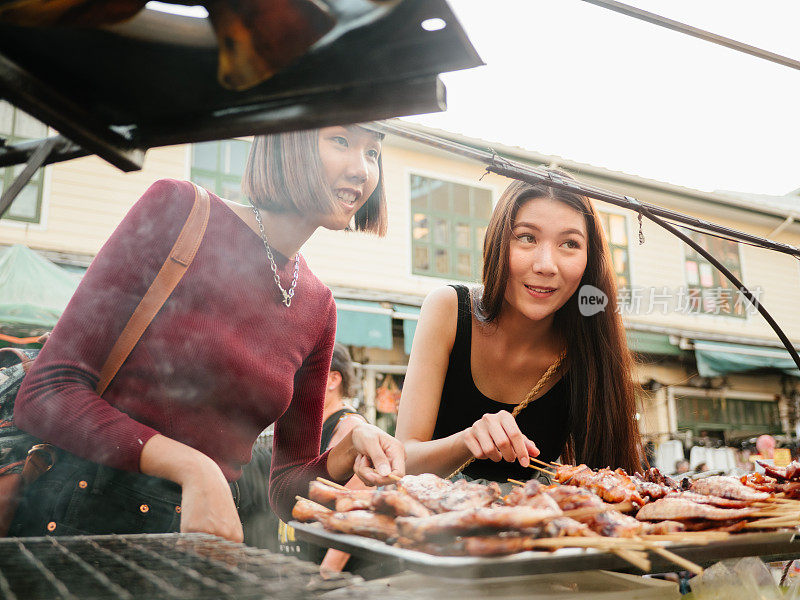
(287, 295)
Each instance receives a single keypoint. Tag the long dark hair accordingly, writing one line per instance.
(602, 393)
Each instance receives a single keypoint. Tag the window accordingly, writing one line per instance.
(616, 229)
(218, 166)
(16, 126)
(709, 291)
(448, 223)
(727, 414)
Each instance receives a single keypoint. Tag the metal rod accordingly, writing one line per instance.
(507, 167)
(21, 180)
(643, 15)
(64, 149)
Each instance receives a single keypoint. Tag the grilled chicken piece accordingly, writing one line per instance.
(440, 495)
(542, 501)
(727, 487)
(472, 521)
(306, 510)
(612, 523)
(343, 500)
(427, 488)
(355, 500)
(452, 548)
(570, 497)
(758, 481)
(494, 545)
(520, 494)
(791, 472)
(663, 527)
(680, 509)
(653, 475)
(611, 486)
(324, 494)
(398, 504)
(361, 522)
(564, 526)
(764, 483)
(713, 500)
(510, 543)
(649, 489)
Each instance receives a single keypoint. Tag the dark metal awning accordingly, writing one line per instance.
(120, 90)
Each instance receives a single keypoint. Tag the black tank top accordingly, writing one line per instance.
(544, 420)
(329, 426)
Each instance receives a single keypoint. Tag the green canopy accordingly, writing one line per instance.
(33, 291)
(717, 358)
(363, 323)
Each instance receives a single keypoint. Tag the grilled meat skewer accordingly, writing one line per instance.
(472, 521)
(727, 487)
(680, 509)
(306, 510)
(361, 522)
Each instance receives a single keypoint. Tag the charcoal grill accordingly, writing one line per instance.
(168, 566)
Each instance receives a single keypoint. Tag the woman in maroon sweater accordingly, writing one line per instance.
(244, 340)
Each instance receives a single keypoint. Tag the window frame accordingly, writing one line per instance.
(452, 219)
(220, 177)
(629, 232)
(7, 176)
(745, 316)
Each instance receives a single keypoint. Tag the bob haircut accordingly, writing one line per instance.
(599, 365)
(284, 173)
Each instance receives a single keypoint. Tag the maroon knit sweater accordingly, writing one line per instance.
(222, 360)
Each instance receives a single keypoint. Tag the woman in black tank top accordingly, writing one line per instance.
(477, 353)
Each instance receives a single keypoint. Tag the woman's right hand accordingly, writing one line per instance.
(207, 504)
(497, 437)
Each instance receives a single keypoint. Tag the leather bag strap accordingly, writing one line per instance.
(173, 269)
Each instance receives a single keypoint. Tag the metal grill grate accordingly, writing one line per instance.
(179, 566)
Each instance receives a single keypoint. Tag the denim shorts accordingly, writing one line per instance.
(78, 497)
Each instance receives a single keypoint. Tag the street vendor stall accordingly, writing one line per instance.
(155, 83)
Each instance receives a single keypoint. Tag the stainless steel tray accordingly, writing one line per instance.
(784, 545)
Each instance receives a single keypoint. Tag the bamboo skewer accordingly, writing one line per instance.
(691, 537)
(672, 557)
(635, 557)
(394, 477)
(516, 481)
(550, 473)
(757, 525)
(540, 462)
(333, 484)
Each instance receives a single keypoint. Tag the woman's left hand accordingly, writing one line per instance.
(381, 459)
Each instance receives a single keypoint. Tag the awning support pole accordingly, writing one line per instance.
(34, 162)
(643, 15)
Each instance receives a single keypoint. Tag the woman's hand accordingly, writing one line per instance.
(207, 504)
(381, 458)
(372, 454)
(497, 437)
